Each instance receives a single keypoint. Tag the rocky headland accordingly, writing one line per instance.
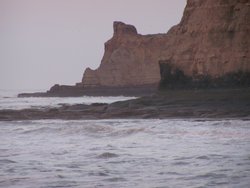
(211, 41)
(200, 68)
(209, 48)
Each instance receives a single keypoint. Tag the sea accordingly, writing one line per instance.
(120, 153)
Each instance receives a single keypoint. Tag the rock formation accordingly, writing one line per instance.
(209, 47)
(198, 104)
(212, 40)
(130, 59)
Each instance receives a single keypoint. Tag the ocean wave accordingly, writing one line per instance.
(107, 155)
(113, 153)
(13, 102)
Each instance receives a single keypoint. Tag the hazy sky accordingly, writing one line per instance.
(43, 42)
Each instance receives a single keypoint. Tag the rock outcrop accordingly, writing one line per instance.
(198, 104)
(130, 59)
(212, 40)
(209, 47)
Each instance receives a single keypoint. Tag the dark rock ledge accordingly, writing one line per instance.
(78, 91)
(212, 103)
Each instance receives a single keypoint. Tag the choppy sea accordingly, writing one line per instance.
(121, 152)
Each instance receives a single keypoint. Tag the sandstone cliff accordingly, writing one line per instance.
(130, 59)
(212, 39)
(209, 47)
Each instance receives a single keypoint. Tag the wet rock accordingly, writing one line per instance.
(207, 103)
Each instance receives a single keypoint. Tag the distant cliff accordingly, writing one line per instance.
(211, 41)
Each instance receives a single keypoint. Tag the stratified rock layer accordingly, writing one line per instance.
(212, 40)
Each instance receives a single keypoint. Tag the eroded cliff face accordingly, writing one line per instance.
(130, 59)
(212, 40)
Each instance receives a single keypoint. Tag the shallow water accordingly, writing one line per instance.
(125, 153)
(9, 100)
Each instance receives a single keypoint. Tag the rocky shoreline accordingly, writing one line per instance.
(205, 51)
(76, 91)
(210, 103)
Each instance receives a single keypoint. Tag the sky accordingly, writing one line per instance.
(47, 42)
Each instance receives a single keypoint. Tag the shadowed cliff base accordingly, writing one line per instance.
(174, 78)
(213, 103)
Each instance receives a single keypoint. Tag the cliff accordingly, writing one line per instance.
(130, 59)
(208, 48)
(212, 40)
